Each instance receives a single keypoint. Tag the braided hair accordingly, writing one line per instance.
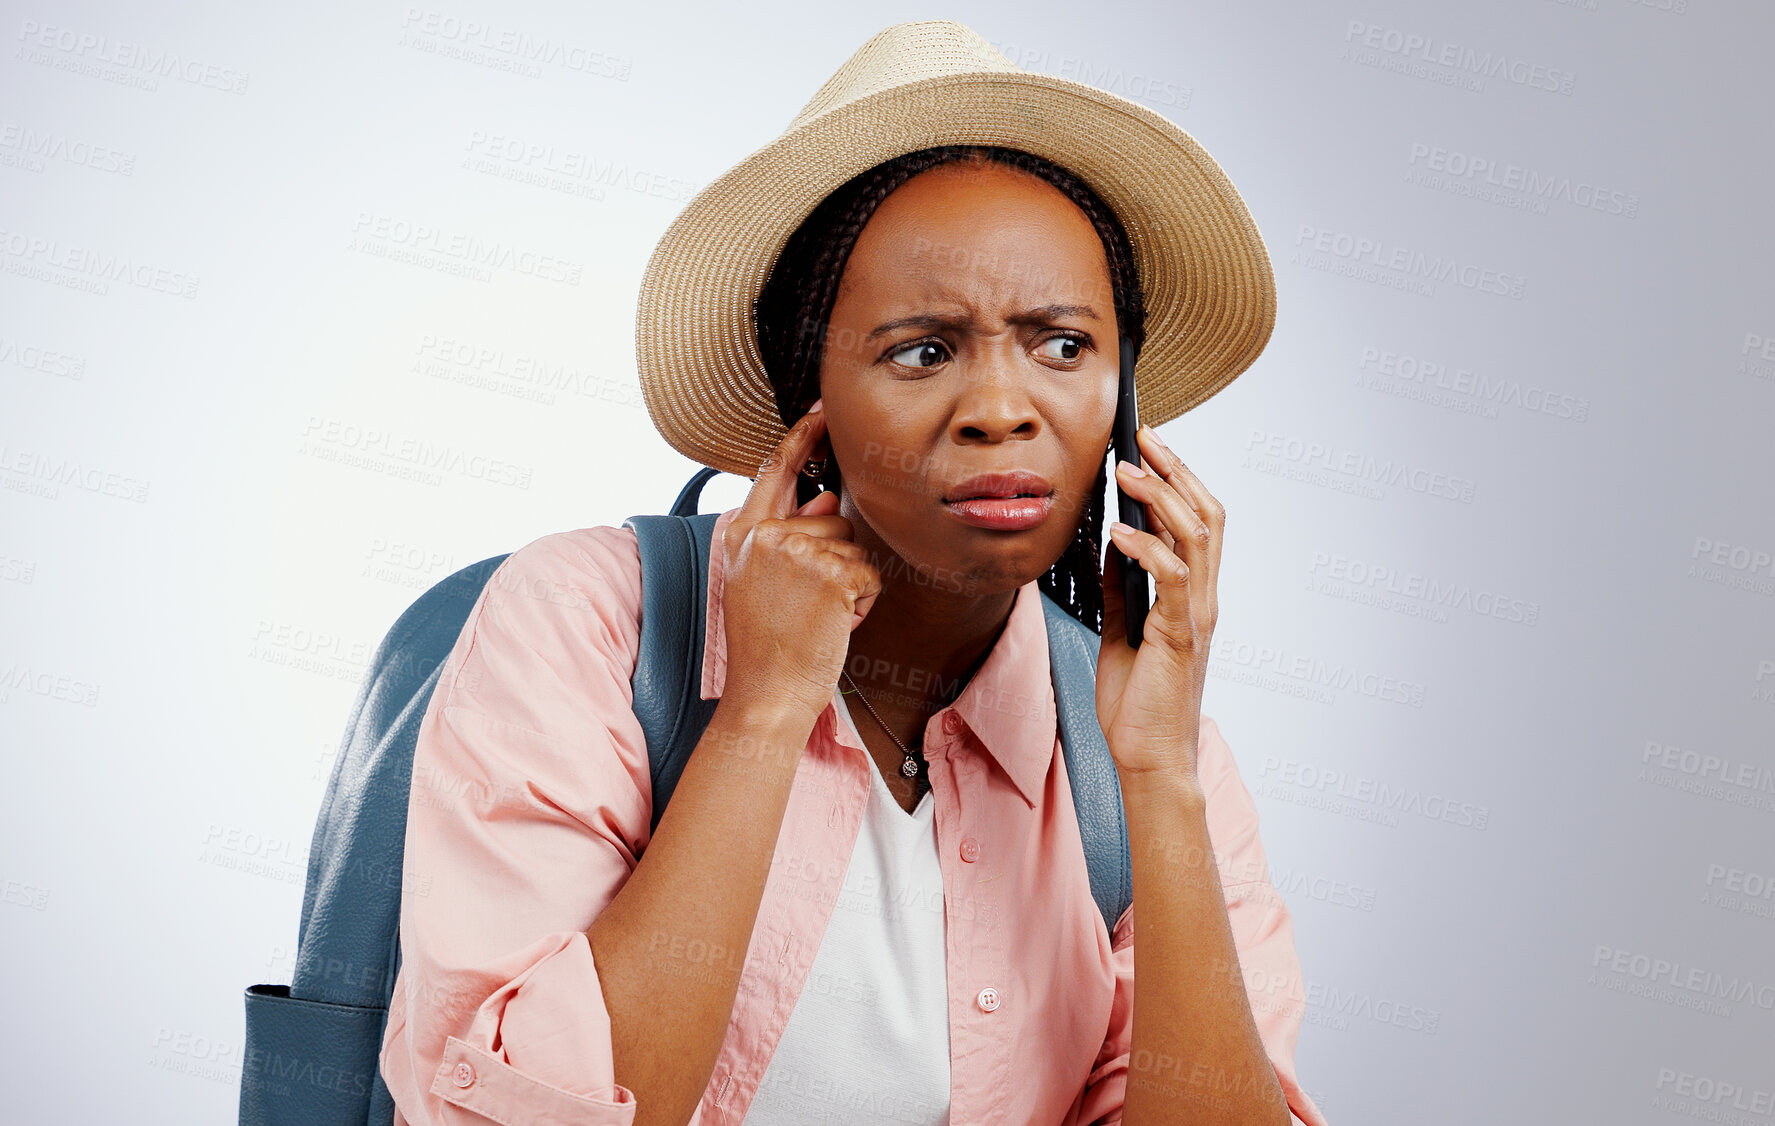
(795, 306)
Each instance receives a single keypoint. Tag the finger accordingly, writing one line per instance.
(861, 611)
(1168, 510)
(1165, 462)
(844, 549)
(1212, 512)
(773, 490)
(1171, 602)
(869, 584)
(1199, 539)
(841, 561)
(829, 526)
(1153, 526)
(823, 505)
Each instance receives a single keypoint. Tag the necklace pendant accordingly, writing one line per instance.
(909, 768)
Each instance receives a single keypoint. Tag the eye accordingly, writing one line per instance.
(1071, 347)
(924, 353)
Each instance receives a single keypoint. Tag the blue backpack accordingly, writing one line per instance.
(313, 1046)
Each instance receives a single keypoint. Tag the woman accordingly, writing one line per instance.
(881, 916)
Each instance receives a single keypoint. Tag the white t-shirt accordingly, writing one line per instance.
(868, 1040)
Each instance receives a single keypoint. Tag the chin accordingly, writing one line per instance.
(972, 567)
(954, 559)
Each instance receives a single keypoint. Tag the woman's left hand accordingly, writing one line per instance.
(1149, 700)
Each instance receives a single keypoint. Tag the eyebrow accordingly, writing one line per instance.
(1039, 315)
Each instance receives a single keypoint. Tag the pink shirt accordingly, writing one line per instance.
(531, 802)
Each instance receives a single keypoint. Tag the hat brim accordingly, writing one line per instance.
(1205, 275)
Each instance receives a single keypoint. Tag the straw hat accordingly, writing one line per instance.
(1209, 290)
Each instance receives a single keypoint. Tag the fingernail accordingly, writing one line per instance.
(1130, 469)
(819, 404)
(1118, 526)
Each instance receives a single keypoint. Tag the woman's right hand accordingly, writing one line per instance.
(795, 586)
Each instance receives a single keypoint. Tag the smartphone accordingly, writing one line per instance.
(1136, 595)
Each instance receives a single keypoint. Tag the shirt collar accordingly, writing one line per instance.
(1008, 703)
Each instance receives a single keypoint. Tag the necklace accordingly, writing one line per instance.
(909, 768)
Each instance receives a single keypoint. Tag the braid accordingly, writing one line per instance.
(795, 307)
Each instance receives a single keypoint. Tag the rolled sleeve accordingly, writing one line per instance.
(529, 805)
(541, 1033)
(1263, 937)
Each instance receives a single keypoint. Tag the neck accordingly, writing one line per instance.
(922, 640)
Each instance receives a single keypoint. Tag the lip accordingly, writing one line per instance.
(1009, 501)
(1002, 514)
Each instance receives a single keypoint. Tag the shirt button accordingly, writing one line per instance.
(970, 849)
(464, 1075)
(953, 723)
(988, 999)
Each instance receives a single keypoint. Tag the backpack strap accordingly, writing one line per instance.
(668, 675)
(1096, 787)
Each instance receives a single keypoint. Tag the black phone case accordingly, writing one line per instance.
(1136, 596)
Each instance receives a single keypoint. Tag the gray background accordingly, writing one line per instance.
(1501, 557)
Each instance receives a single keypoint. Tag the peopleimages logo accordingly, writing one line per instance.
(370, 447)
(1380, 580)
(1129, 84)
(1357, 466)
(36, 146)
(1735, 565)
(26, 470)
(514, 373)
(1702, 1096)
(1516, 178)
(1375, 792)
(1315, 671)
(527, 160)
(45, 360)
(1377, 253)
(1757, 357)
(1478, 390)
(376, 233)
(82, 267)
(1702, 983)
(473, 40)
(1427, 50)
(85, 53)
(1719, 768)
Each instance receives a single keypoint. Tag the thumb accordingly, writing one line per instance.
(819, 506)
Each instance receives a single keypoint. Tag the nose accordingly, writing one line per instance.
(993, 406)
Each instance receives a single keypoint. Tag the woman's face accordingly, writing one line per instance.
(973, 333)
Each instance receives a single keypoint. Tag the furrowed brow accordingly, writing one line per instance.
(1039, 315)
(920, 320)
(1047, 313)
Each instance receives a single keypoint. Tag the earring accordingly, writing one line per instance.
(814, 468)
